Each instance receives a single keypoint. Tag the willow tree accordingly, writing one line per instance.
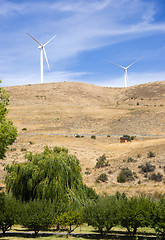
(8, 132)
(52, 174)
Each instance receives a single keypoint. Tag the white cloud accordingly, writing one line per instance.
(80, 25)
(7, 7)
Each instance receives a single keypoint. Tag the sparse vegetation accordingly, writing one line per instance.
(157, 177)
(151, 154)
(130, 159)
(147, 167)
(23, 149)
(125, 175)
(101, 162)
(102, 178)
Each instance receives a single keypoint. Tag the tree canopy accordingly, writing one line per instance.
(52, 174)
(8, 132)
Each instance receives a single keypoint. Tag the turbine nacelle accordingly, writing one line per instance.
(39, 47)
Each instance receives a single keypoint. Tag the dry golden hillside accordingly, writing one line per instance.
(53, 113)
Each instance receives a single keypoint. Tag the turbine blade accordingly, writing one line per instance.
(49, 40)
(134, 62)
(116, 64)
(46, 58)
(35, 39)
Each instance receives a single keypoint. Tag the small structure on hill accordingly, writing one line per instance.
(124, 139)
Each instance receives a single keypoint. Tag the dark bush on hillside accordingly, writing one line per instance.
(93, 137)
(131, 160)
(125, 175)
(147, 167)
(101, 162)
(102, 178)
(150, 154)
(156, 177)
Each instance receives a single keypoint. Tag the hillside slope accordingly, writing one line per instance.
(68, 108)
(77, 107)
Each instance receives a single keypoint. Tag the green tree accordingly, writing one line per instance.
(8, 208)
(72, 218)
(103, 213)
(8, 132)
(134, 213)
(158, 218)
(37, 215)
(52, 174)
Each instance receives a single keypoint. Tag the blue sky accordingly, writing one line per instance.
(88, 32)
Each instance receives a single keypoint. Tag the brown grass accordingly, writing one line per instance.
(69, 108)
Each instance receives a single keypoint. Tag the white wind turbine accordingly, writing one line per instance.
(125, 68)
(42, 49)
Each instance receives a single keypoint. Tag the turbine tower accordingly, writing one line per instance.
(125, 69)
(42, 49)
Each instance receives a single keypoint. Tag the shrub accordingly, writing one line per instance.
(93, 137)
(24, 129)
(101, 162)
(156, 177)
(131, 160)
(147, 167)
(150, 154)
(77, 135)
(125, 175)
(102, 178)
(23, 149)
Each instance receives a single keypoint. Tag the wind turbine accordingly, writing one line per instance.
(125, 68)
(42, 49)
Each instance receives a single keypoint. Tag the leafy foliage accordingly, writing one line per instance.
(102, 214)
(102, 178)
(125, 175)
(52, 174)
(156, 177)
(71, 218)
(135, 213)
(158, 218)
(8, 132)
(7, 212)
(37, 215)
(151, 154)
(147, 167)
(93, 137)
(101, 162)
